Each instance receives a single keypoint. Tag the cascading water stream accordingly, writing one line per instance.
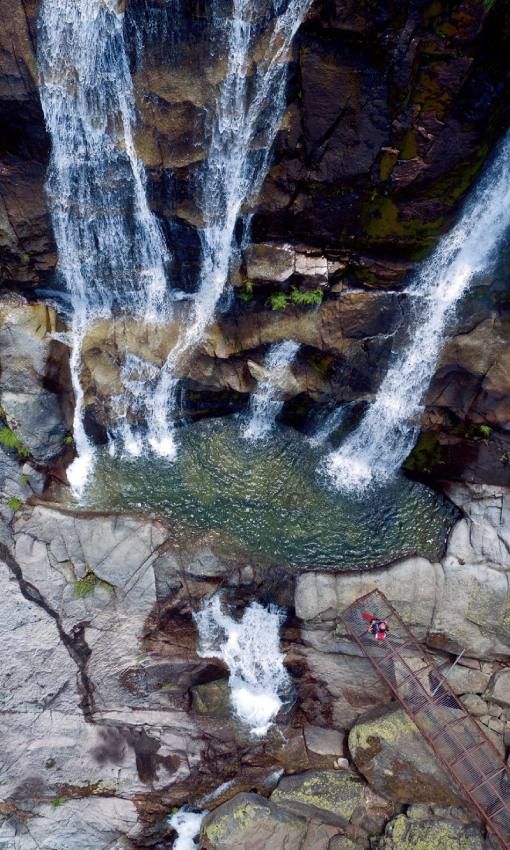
(111, 251)
(251, 650)
(375, 451)
(187, 826)
(249, 108)
(265, 403)
(329, 424)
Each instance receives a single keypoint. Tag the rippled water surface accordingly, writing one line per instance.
(270, 497)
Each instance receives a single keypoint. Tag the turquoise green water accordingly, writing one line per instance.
(269, 497)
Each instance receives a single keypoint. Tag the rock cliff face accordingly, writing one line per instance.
(110, 716)
(27, 251)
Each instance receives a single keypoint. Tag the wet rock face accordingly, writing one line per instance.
(384, 94)
(34, 380)
(27, 250)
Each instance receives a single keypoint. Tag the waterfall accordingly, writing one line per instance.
(265, 403)
(187, 826)
(111, 251)
(386, 434)
(328, 424)
(249, 107)
(251, 650)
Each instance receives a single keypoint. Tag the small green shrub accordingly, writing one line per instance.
(485, 432)
(57, 802)
(69, 440)
(86, 585)
(311, 297)
(278, 301)
(245, 293)
(10, 440)
(14, 504)
(24, 479)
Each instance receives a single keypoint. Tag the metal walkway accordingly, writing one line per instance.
(465, 752)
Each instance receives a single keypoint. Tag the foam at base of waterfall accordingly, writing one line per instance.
(379, 445)
(161, 429)
(82, 467)
(251, 650)
(132, 443)
(164, 446)
(187, 826)
(256, 708)
(350, 473)
(80, 470)
(262, 420)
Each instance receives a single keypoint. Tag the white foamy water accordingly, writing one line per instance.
(111, 252)
(249, 107)
(265, 403)
(187, 826)
(386, 434)
(251, 650)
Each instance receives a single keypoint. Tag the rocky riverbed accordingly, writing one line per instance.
(112, 719)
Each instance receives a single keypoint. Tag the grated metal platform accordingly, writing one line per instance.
(463, 749)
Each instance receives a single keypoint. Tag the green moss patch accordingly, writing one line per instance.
(381, 220)
(426, 455)
(87, 585)
(14, 504)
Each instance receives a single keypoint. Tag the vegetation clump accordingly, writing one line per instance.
(14, 504)
(310, 297)
(301, 298)
(10, 440)
(245, 293)
(278, 301)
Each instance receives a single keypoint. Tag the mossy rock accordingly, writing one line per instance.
(212, 699)
(431, 834)
(251, 821)
(382, 221)
(426, 456)
(331, 796)
(394, 758)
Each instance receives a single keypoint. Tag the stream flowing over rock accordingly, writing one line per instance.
(216, 221)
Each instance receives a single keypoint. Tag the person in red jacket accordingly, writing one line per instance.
(378, 628)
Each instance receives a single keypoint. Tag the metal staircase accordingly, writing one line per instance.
(465, 752)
